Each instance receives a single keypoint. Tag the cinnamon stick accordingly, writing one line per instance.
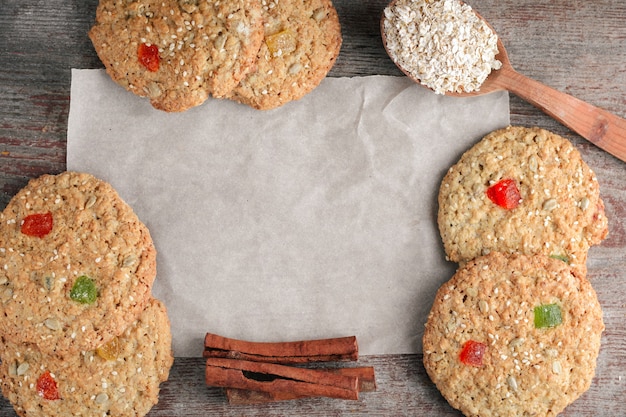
(305, 351)
(270, 377)
(236, 396)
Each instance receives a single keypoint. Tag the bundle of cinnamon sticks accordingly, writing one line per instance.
(258, 372)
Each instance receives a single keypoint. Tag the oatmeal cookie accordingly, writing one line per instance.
(521, 190)
(513, 335)
(301, 44)
(177, 53)
(121, 378)
(77, 265)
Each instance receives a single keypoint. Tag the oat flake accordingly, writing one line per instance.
(442, 43)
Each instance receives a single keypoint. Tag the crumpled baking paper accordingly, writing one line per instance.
(313, 220)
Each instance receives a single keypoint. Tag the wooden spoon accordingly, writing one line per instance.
(602, 128)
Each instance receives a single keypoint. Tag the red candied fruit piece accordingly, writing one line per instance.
(37, 225)
(149, 56)
(47, 387)
(472, 353)
(505, 194)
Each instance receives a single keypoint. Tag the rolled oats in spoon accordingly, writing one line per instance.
(442, 43)
(448, 47)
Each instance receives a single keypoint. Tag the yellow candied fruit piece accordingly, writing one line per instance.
(281, 43)
(109, 351)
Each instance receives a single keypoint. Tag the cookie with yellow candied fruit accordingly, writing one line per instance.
(523, 190)
(301, 44)
(177, 53)
(120, 379)
(513, 335)
(76, 264)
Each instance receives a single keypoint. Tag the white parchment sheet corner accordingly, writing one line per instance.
(313, 220)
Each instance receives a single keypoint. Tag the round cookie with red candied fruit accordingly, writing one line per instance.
(77, 264)
(177, 53)
(513, 335)
(121, 378)
(301, 44)
(523, 190)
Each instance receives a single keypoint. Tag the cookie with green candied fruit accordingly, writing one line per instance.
(513, 335)
(121, 378)
(523, 190)
(77, 264)
(301, 44)
(177, 53)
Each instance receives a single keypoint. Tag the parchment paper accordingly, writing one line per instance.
(314, 220)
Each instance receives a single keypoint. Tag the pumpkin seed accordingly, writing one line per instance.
(550, 204)
(584, 203)
(52, 323)
(90, 201)
(295, 68)
(7, 294)
(128, 261)
(22, 369)
(13, 369)
(102, 398)
(532, 163)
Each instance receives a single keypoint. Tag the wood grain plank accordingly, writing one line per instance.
(575, 46)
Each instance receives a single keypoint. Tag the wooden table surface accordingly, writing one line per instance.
(575, 46)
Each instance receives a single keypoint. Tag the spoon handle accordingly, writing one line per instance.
(602, 128)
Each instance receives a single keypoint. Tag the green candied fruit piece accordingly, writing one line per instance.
(563, 258)
(547, 315)
(84, 290)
